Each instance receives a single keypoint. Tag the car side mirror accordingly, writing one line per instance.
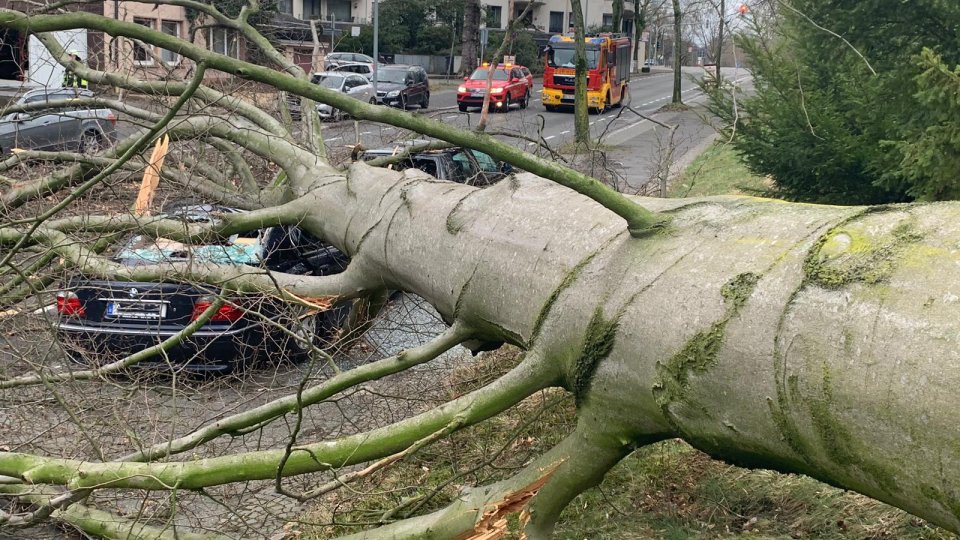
(19, 116)
(506, 168)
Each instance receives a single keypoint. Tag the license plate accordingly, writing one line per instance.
(137, 310)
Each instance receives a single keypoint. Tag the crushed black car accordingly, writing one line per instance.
(463, 165)
(100, 321)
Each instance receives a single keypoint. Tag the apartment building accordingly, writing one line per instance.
(556, 16)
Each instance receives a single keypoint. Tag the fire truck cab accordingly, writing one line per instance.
(608, 71)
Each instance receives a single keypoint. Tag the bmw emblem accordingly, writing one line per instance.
(133, 292)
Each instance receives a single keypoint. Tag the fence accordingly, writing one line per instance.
(435, 65)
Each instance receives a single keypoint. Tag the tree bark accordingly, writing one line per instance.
(677, 97)
(471, 36)
(617, 16)
(581, 119)
(723, 21)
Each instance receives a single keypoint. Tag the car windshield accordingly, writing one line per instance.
(481, 74)
(397, 76)
(241, 249)
(328, 81)
(566, 58)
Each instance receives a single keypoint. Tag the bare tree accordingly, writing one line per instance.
(581, 120)
(802, 338)
(471, 36)
(677, 98)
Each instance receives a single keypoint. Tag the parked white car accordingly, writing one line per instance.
(354, 67)
(351, 84)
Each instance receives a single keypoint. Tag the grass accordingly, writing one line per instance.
(719, 171)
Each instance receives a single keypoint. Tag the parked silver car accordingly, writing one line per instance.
(354, 67)
(351, 84)
(57, 128)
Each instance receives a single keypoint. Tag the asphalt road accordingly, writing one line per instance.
(648, 93)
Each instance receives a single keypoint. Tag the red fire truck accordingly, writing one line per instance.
(608, 71)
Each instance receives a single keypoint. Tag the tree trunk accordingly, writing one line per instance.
(471, 36)
(800, 338)
(677, 97)
(581, 119)
(639, 23)
(617, 16)
(723, 22)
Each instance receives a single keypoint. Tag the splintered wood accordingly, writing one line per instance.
(493, 524)
(151, 177)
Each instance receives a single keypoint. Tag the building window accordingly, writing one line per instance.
(285, 6)
(171, 28)
(141, 54)
(628, 27)
(556, 22)
(571, 22)
(311, 9)
(494, 17)
(608, 22)
(223, 41)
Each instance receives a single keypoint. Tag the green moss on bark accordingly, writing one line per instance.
(847, 254)
(597, 344)
(699, 354)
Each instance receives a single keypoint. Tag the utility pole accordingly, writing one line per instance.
(376, 43)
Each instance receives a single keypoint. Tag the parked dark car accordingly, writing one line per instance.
(60, 128)
(462, 165)
(400, 86)
(102, 320)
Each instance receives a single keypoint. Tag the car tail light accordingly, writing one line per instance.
(112, 118)
(226, 313)
(68, 303)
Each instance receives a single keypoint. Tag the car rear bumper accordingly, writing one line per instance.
(208, 349)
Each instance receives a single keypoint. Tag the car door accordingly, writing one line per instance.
(360, 88)
(45, 129)
(412, 88)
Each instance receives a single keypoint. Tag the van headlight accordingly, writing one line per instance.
(393, 93)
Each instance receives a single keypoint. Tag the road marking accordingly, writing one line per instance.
(565, 132)
(531, 143)
(451, 117)
(549, 137)
(365, 132)
(334, 138)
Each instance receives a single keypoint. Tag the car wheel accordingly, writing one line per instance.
(336, 115)
(90, 142)
(403, 101)
(463, 107)
(525, 101)
(506, 104)
(373, 101)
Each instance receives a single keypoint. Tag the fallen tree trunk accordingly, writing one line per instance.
(800, 338)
